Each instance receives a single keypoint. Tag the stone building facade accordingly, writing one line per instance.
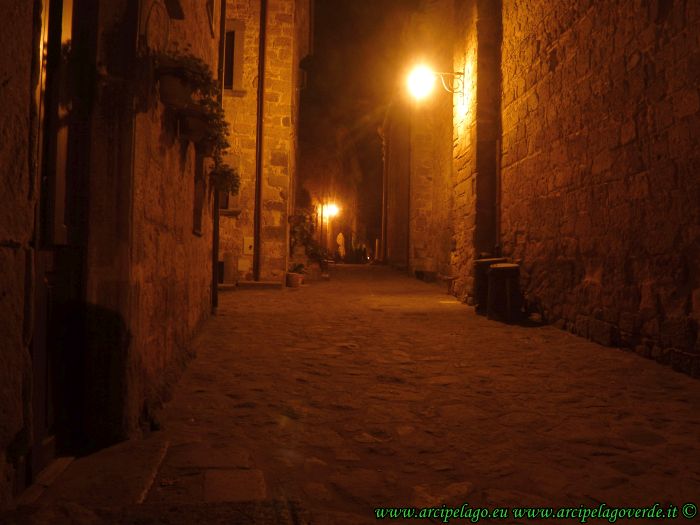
(600, 169)
(16, 232)
(574, 153)
(258, 248)
(106, 229)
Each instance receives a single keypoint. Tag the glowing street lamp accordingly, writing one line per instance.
(421, 81)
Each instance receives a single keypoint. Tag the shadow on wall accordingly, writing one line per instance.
(91, 380)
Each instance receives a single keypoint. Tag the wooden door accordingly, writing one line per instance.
(58, 245)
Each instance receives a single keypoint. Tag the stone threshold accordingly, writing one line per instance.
(44, 480)
(116, 476)
(260, 285)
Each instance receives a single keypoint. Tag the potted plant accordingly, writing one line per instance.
(224, 178)
(215, 139)
(193, 124)
(182, 76)
(295, 277)
(188, 85)
(303, 233)
(204, 123)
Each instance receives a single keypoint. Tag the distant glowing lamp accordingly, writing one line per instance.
(421, 81)
(330, 210)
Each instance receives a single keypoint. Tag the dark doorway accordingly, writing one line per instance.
(62, 145)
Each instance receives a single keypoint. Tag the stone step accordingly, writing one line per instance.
(260, 285)
(119, 475)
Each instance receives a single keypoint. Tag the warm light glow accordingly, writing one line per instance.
(330, 210)
(463, 99)
(421, 81)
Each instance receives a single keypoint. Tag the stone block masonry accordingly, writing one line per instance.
(421, 233)
(286, 41)
(171, 259)
(600, 163)
(575, 153)
(105, 269)
(241, 112)
(18, 194)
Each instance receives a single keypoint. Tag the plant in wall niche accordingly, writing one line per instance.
(224, 178)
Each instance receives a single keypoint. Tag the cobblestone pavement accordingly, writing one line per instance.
(374, 389)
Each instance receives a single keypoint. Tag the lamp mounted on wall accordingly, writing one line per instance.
(421, 81)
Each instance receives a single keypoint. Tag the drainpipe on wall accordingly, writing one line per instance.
(499, 117)
(380, 254)
(380, 249)
(409, 268)
(215, 207)
(257, 223)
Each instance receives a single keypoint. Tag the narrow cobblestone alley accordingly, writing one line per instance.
(319, 404)
(374, 389)
(173, 168)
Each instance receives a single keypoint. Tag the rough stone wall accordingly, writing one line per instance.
(241, 111)
(147, 277)
(146, 266)
(396, 139)
(453, 146)
(286, 41)
(108, 250)
(424, 137)
(464, 150)
(431, 146)
(171, 263)
(18, 195)
(600, 186)
(279, 143)
(303, 19)
(430, 163)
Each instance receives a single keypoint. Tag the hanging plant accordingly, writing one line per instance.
(204, 123)
(224, 178)
(183, 71)
(187, 84)
(215, 139)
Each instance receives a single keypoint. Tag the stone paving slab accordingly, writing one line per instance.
(234, 485)
(205, 455)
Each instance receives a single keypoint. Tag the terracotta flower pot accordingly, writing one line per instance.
(194, 127)
(205, 147)
(174, 92)
(294, 280)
